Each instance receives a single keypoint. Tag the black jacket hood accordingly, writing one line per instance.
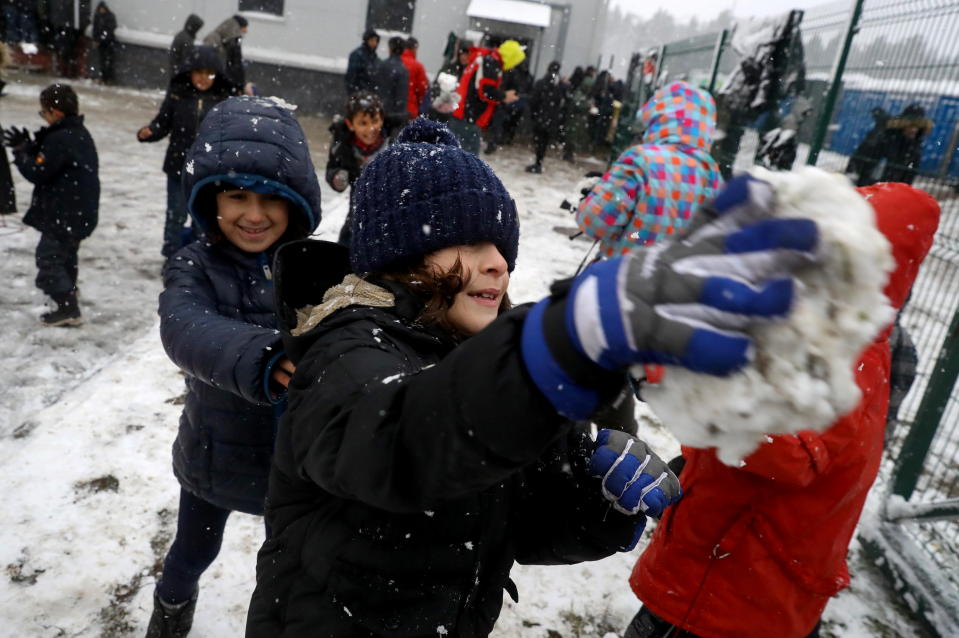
(193, 24)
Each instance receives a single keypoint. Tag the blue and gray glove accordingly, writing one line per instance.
(683, 303)
(634, 479)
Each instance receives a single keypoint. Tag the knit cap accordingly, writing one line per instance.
(423, 194)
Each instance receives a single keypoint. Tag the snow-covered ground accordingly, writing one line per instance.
(87, 417)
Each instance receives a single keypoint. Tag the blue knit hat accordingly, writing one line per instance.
(423, 194)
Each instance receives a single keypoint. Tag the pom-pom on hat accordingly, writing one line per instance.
(423, 194)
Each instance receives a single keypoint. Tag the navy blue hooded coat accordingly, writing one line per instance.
(216, 309)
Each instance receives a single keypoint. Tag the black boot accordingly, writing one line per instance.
(536, 168)
(2, 84)
(171, 621)
(66, 314)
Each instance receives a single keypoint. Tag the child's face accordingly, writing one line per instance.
(202, 79)
(366, 127)
(251, 221)
(487, 277)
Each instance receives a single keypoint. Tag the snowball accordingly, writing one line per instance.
(802, 374)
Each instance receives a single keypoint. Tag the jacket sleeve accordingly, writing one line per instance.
(605, 213)
(799, 459)
(160, 126)
(563, 517)
(43, 162)
(352, 71)
(220, 351)
(364, 426)
(420, 82)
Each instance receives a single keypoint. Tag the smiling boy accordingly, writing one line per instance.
(357, 138)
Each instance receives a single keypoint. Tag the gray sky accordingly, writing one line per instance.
(708, 9)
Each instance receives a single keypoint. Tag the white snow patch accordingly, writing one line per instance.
(801, 377)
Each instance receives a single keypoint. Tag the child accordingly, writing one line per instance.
(250, 186)
(652, 190)
(197, 88)
(429, 444)
(63, 165)
(758, 550)
(357, 138)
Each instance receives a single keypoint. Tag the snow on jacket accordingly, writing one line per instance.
(63, 165)
(757, 551)
(184, 107)
(419, 84)
(216, 310)
(652, 190)
(400, 493)
(183, 43)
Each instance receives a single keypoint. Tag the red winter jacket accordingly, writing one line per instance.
(419, 84)
(757, 551)
(479, 87)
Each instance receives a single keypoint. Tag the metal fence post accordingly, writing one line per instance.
(917, 443)
(832, 94)
(717, 58)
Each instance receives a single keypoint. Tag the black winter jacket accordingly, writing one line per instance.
(548, 103)
(104, 25)
(410, 472)
(392, 85)
(183, 43)
(217, 325)
(184, 107)
(8, 197)
(63, 165)
(361, 70)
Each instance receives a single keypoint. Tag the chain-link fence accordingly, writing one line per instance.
(878, 100)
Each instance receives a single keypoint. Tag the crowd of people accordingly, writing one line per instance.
(491, 96)
(342, 390)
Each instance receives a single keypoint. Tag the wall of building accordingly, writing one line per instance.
(303, 54)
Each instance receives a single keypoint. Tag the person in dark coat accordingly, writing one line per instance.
(183, 43)
(68, 19)
(357, 138)
(198, 87)
(104, 35)
(228, 40)
(507, 117)
(864, 160)
(392, 85)
(431, 438)
(362, 63)
(547, 107)
(8, 196)
(62, 163)
(903, 144)
(251, 186)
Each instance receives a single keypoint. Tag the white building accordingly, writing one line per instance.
(299, 48)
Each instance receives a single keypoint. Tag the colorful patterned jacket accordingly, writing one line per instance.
(652, 190)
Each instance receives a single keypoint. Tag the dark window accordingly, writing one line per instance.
(391, 15)
(263, 6)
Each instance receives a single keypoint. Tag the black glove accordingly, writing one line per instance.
(16, 138)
